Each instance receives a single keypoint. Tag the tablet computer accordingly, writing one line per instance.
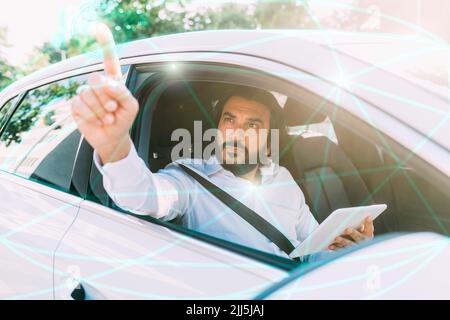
(334, 226)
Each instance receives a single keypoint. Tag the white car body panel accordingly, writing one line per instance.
(33, 219)
(115, 256)
(411, 266)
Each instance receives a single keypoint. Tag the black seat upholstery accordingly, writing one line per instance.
(179, 106)
(321, 168)
(326, 176)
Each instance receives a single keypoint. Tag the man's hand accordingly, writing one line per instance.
(105, 109)
(353, 236)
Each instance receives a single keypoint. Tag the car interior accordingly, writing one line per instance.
(324, 172)
(361, 167)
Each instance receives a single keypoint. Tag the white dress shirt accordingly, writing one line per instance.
(172, 193)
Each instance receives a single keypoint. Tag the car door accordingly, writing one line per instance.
(111, 255)
(38, 147)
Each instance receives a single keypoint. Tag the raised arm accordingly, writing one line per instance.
(104, 112)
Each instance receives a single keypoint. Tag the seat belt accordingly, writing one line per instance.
(254, 219)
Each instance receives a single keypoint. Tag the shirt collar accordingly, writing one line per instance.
(212, 166)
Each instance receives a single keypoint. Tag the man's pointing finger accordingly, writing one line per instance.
(111, 62)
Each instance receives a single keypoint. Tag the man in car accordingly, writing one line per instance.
(104, 113)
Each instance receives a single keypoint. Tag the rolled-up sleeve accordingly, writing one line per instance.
(133, 187)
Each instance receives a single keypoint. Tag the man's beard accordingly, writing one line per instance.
(239, 169)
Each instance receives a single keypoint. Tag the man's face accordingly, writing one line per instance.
(240, 126)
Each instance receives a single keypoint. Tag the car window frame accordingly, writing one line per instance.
(294, 91)
(142, 140)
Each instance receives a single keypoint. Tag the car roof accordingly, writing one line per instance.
(236, 41)
(216, 40)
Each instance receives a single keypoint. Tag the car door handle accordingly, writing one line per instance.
(86, 292)
(78, 293)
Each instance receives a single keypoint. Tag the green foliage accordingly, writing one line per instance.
(75, 46)
(28, 112)
(48, 118)
(283, 15)
(7, 72)
(138, 19)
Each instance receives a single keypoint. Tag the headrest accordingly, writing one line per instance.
(178, 107)
(296, 114)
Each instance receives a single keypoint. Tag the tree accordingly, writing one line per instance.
(49, 53)
(30, 109)
(128, 20)
(138, 19)
(7, 72)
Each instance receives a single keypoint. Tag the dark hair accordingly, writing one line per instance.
(253, 94)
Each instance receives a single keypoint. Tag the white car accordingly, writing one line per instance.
(364, 127)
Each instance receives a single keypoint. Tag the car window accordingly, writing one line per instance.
(5, 111)
(41, 140)
(193, 101)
